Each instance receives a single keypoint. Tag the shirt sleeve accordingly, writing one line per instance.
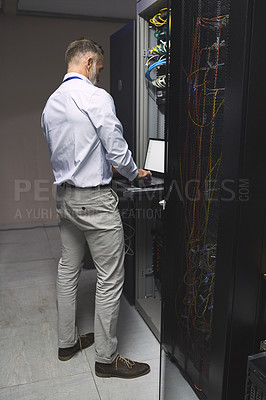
(44, 129)
(110, 131)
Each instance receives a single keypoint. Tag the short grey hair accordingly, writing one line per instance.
(81, 47)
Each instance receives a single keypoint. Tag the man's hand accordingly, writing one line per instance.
(142, 173)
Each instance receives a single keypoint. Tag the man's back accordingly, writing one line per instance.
(80, 126)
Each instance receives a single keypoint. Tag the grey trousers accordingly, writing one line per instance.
(90, 215)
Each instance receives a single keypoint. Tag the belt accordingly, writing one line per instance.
(68, 185)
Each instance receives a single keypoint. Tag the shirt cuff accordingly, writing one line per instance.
(133, 175)
(129, 172)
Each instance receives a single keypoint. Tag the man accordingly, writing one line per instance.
(85, 140)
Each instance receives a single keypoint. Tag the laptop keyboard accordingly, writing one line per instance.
(148, 183)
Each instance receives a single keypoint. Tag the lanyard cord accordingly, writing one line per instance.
(71, 77)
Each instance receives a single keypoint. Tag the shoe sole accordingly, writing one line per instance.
(66, 358)
(100, 375)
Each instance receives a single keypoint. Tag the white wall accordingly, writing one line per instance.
(31, 68)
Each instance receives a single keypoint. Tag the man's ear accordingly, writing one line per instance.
(89, 61)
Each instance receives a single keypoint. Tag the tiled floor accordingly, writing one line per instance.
(29, 367)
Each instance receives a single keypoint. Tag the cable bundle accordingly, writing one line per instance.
(160, 82)
(157, 55)
(154, 65)
(199, 168)
(160, 19)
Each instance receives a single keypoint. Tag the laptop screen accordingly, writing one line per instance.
(154, 160)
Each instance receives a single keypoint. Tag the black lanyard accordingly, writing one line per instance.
(71, 77)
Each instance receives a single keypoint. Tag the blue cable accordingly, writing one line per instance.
(156, 64)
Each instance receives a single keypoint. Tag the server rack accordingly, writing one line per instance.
(122, 80)
(142, 114)
(123, 90)
(256, 377)
(150, 123)
(213, 280)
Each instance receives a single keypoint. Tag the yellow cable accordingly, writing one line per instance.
(204, 126)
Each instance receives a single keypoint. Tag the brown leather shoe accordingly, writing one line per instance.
(83, 342)
(121, 368)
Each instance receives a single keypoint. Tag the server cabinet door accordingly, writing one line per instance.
(215, 199)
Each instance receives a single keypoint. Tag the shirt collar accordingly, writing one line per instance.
(79, 75)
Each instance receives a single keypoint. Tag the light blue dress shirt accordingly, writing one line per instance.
(84, 136)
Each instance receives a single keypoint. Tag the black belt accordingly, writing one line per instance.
(68, 185)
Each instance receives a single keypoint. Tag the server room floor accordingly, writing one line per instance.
(29, 367)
